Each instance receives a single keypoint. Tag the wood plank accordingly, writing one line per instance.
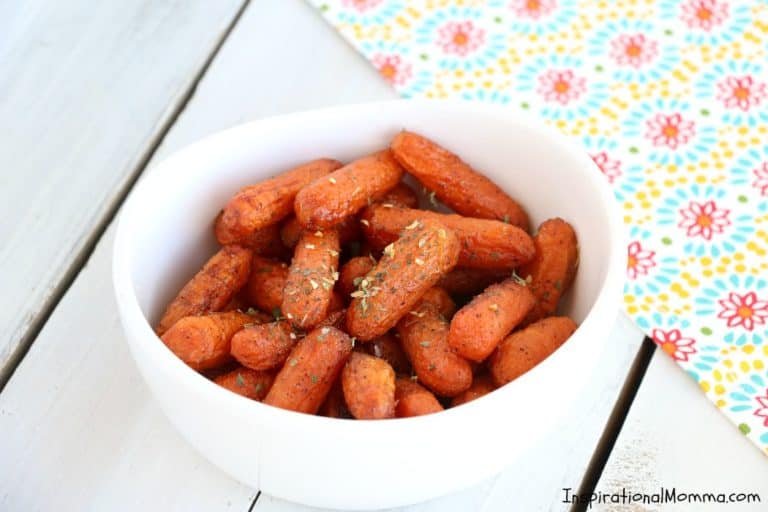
(675, 437)
(85, 89)
(76, 402)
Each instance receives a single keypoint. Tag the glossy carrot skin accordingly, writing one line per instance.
(246, 382)
(265, 346)
(409, 267)
(414, 400)
(387, 347)
(552, 269)
(264, 289)
(401, 195)
(439, 298)
(266, 203)
(526, 348)
(203, 342)
(485, 244)
(352, 272)
(424, 338)
(454, 182)
(479, 326)
(369, 387)
(470, 281)
(308, 292)
(329, 200)
(315, 362)
(212, 288)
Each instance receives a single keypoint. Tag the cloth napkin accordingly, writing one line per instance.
(670, 98)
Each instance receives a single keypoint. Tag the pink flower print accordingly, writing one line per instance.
(609, 167)
(704, 219)
(762, 409)
(460, 37)
(562, 86)
(533, 9)
(361, 5)
(761, 179)
(393, 68)
(741, 92)
(633, 50)
(673, 343)
(704, 14)
(669, 130)
(639, 260)
(743, 310)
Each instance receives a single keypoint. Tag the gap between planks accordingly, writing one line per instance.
(82, 257)
(615, 421)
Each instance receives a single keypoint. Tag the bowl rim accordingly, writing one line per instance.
(606, 302)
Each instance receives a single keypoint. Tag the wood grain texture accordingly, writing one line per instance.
(675, 437)
(85, 90)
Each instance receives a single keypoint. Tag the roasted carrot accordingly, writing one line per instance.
(401, 195)
(330, 199)
(479, 326)
(334, 405)
(334, 319)
(203, 342)
(311, 369)
(257, 206)
(388, 348)
(290, 232)
(524, 349)
(266, 242)
(552, 269)
(265, 284)
(470, 281)
(308, 291)
(369, 387)
(441, 300)
(485, 244)
(454, 182)
(264, 346)
(424, 337)
(409, 267)
(352, 272)
(481, 386)
(246, 382)
(413, 399)
(212, 287)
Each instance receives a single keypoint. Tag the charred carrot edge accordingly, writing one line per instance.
(479, 326)
(265, 346)
(424, 338)
(414, 400)
(352, 272)
(409, 267)
(400, 195)
(387, 347)
(311, 369)
(454, 182)
(308, 291)
(485, 244)
(552, 269)
(257, 206)
(524, 349)
(203, 342)
(212, 287)
(249, 383)
(264, 289)
(481, 386)
(470, 281)
(369, 387)
(329, 200)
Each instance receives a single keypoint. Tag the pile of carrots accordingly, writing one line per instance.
(333, 293)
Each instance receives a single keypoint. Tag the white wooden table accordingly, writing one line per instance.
(91, 96)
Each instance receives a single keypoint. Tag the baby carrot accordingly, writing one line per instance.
(265, 284)
(212, 287)
(246, 382)
(264, 346)
(413, 399)
(369, 387)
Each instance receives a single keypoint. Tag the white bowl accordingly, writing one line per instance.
(165, 235)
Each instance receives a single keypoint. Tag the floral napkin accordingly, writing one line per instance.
(670, 98)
